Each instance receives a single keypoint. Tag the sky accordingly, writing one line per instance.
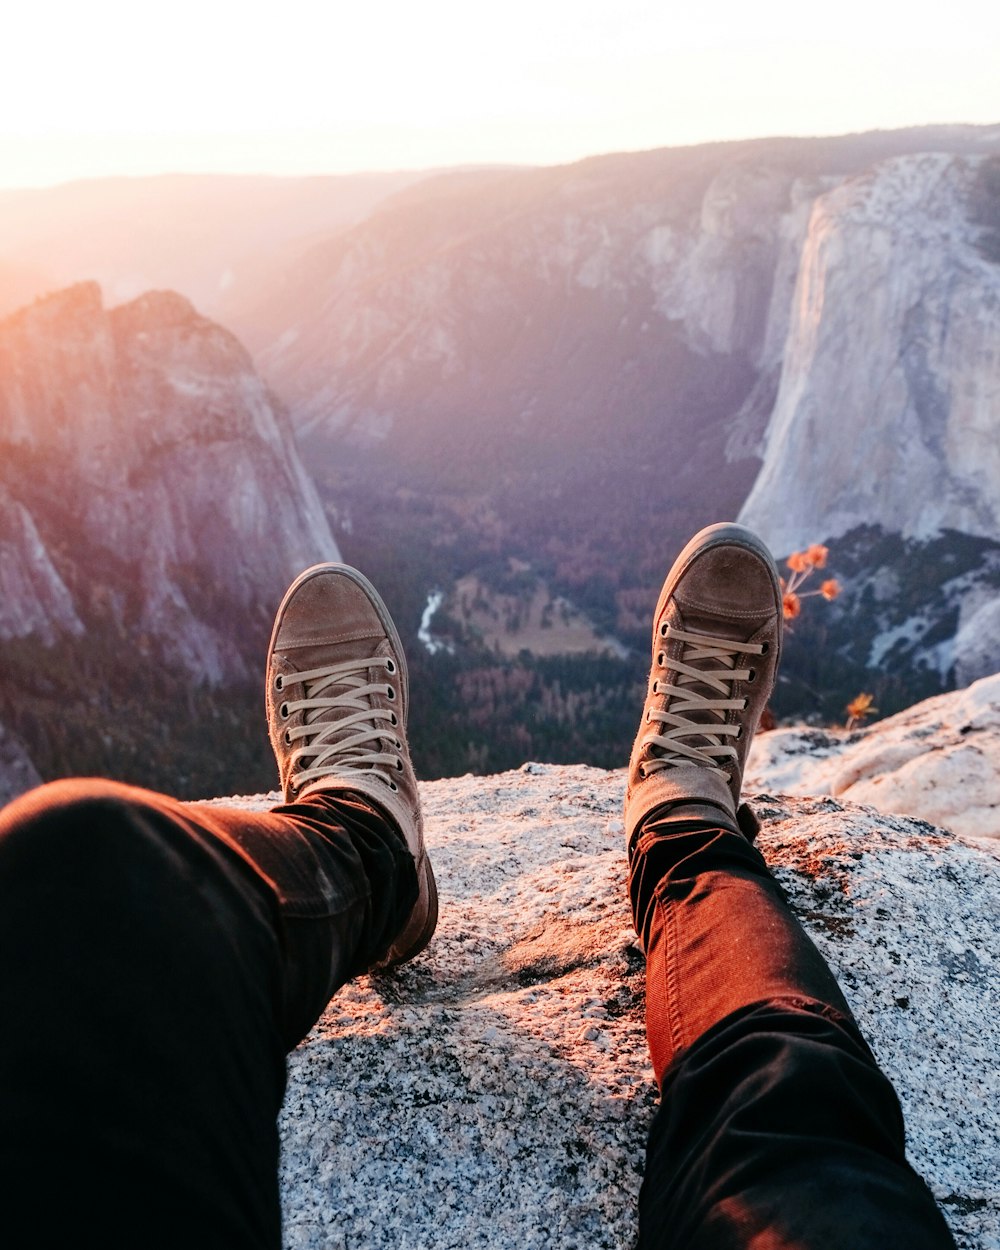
(118, 87)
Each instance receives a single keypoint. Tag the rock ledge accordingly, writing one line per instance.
(497, 1091)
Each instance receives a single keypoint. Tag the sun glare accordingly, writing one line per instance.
(115, 87)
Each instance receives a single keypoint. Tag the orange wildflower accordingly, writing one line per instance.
(802, 565)
(816, 556)
(860, 707)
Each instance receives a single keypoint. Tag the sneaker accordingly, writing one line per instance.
(337, 699)
(716, 646)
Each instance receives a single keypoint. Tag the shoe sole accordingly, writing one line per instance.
(359, 579)
(724, 534)
(427, 931)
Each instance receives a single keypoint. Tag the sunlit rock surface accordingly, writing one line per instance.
(890, 381)
(146, 474)
(938, 761)
(497, 1091)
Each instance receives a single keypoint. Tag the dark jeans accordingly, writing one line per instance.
(776, 1129)
(158, 959)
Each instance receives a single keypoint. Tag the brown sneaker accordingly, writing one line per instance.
(337, 699)
(716, 646)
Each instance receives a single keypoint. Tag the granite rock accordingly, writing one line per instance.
(885, 413)
(938, 761)
(497, 1091)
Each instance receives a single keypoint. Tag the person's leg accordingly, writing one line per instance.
(153, 975)
(776, 1127)
(158, 959)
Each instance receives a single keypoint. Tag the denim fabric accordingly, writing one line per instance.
(776, 1128)
(157, 960)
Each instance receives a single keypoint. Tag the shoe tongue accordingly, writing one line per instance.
(306, 657)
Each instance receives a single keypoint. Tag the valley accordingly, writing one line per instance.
(509, 396)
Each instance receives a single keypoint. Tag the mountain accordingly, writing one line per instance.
(521, 390)
(153, 508)
(535, 297)
(208, 236)
(543, 381)
(17, 773)
(890, 378)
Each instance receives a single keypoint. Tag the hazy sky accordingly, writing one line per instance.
(117, 86)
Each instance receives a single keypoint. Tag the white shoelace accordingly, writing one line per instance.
(343, 735)
(718, 655)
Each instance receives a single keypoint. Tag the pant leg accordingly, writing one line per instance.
(776, 1129)
(156, 962)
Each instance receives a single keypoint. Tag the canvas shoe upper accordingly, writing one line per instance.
(716, 647)
(337, 701)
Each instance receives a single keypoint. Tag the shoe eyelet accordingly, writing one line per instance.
(288, 737)
(393, 718)
(656, 686)
(284, 712)
(390, 666)
(399, 766)
(663, 630)
(390, 693)
(746, 704)
(661, 660)
(739, 733)
(279, 682)
(393, 786)
(752, 675)
(765, 647)
(399, 747)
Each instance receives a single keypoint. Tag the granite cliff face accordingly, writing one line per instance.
(545, 380)
(887, 409)
(536, 294)
(140, 442)
(152, 500)
(597, 359)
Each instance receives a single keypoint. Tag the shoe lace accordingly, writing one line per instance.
(694, 725)
(343, 734)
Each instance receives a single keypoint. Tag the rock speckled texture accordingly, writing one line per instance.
(938, 760)
(497, 1092)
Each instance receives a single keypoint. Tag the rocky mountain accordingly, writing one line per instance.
(211, 237)
(575, 368)
(540, 298)
(521, 390)
(153, 508)
(888, 405)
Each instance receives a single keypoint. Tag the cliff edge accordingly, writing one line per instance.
(497, 1091)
